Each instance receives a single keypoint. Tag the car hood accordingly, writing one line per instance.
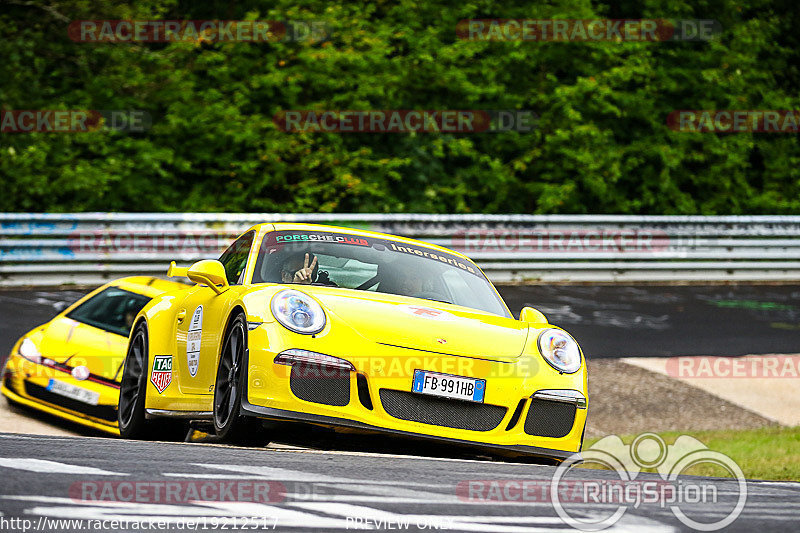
(426, 325)
(73, 343)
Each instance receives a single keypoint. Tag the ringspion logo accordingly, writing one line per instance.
(678, 494)
(587, 30)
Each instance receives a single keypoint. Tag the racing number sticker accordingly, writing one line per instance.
(193, 340)
(161, 376)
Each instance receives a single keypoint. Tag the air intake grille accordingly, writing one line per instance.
(320, 384)
(549, 419)
(8, 381)
(103, 412)
(440, 411)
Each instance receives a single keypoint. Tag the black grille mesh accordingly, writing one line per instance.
(103, 412)
(320, 384)
(549, 419)
(441, 411)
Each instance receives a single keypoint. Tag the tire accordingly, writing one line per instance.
(229, 424)
(130, 410)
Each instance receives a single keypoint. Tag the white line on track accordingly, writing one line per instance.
(495, 524)
(52, 467)
(275, 473)
(194, 475)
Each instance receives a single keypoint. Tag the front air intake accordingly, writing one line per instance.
(550, 419)
(320, 384)
(456, 414)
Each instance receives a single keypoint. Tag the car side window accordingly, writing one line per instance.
(234, 259)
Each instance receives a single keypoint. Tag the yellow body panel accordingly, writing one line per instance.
(67, 344)
(370, 331)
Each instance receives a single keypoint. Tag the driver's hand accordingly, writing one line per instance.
(304, 274)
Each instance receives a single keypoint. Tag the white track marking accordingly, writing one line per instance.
(389, 456)
(298, 497)
(488, 524)
(337, 509)
(194, 475)
(276, 473)
(396, 490)
(282, 516)
(213, 514)
(51, 467)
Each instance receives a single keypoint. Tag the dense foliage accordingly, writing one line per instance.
(601, 146)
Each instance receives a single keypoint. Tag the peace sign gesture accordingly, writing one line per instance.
(304, 274)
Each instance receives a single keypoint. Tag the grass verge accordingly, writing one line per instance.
(770, 453)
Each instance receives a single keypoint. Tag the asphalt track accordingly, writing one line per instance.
(608, 321)
(83, 479)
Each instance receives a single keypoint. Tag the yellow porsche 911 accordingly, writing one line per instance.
(356, 331)
(70, 367)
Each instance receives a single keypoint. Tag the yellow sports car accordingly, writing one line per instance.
(70, 367)
(356, 331)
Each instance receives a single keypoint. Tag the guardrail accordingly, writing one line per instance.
(91, 248)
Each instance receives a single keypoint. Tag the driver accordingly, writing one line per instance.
(396, 280)
(298, 269)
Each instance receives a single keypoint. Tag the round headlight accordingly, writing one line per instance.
(560, 350)
(29, 351)
(298, 312)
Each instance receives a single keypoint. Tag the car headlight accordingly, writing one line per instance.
(29, 351)
(298, 312)
(560, 350)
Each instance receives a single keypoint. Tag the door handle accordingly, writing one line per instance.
(181, 315)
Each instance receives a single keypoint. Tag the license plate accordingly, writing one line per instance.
(447, 386)
(71, 391)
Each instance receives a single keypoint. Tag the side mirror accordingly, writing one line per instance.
(532, 316)
(207, 272)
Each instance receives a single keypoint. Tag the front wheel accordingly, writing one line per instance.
(228, 422)
(130, 412)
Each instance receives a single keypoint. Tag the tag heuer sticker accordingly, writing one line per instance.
(161, 376)
(193, 340)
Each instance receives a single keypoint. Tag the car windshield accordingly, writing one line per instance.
(111, 310)
(374, 264)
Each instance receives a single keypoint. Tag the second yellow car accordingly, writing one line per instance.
(70, 367)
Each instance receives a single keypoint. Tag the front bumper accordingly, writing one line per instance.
(27, 383)
(377, 397)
